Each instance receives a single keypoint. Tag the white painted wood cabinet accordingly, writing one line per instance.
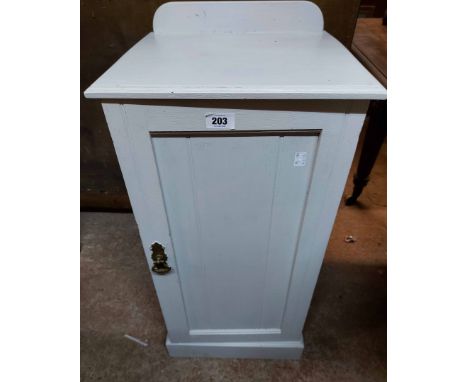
(235, 124)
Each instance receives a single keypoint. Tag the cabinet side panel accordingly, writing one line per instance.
(334, 157)
(135, 155)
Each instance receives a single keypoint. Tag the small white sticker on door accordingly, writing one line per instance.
(300, 159)
(224, 121)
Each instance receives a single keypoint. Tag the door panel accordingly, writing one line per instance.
(234, 207)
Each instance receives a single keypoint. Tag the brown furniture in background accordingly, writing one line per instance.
(108, 30)
(372, 8)
(370, 47)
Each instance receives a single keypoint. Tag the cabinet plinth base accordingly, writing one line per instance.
(263, 349)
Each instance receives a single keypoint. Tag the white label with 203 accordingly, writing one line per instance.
(220, 121)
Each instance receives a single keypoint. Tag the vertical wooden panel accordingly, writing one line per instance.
(108, 30)
(340, 18)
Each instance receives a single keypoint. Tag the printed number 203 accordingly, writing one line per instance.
(219, 121)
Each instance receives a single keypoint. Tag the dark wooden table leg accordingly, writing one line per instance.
(375, 137)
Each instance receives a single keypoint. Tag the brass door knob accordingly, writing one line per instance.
(159, 259)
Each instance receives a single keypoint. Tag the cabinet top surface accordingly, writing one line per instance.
(237, 50)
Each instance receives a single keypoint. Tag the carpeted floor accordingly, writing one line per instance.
(345, 332)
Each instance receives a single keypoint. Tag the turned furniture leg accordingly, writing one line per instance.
(375, 136)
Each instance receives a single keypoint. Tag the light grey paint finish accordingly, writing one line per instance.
(318, 115)
(336, 151)
(215, 17)
(234, 207)
(184, 198)
(271, 350)
(238, 50)
(244, 229)
(263, 66)
(147, 203)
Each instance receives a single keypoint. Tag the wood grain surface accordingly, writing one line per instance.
(370, 46)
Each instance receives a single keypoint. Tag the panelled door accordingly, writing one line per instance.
(234, 206)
